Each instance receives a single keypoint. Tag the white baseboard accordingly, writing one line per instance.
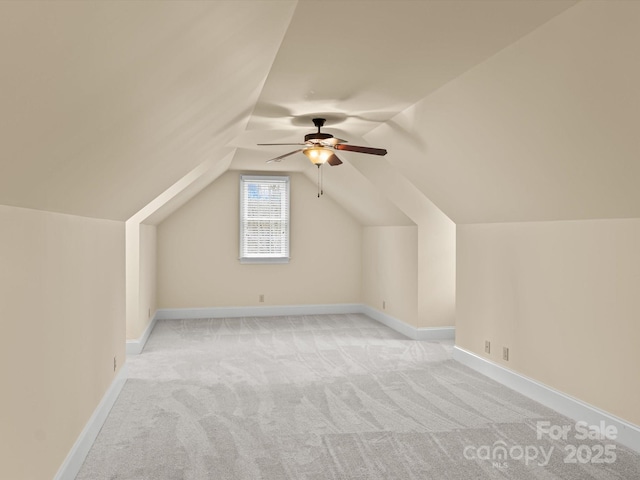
(436, 333)
(431, 333)
(263, 311)
(628, 434)
(72, 464)
(135, 347)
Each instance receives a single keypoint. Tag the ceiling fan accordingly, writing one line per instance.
(318, 147)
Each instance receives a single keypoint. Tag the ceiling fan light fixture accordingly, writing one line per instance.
(317, 155)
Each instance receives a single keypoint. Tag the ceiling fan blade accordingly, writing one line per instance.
(355, 148)
(277, 159)
(273, 144)
(334, 160)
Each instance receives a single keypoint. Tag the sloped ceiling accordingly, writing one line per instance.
(107, 104)
(494, 110)
(547, 129)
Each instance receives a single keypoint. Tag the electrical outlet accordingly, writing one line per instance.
(261, 298)
(505, 353)
(487, 346)
(384, 304)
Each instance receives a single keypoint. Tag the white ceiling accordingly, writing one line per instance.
(494, 110)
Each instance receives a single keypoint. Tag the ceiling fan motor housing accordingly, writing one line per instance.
(317, 136)
(318, 122)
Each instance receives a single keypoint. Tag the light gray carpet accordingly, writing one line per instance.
(324, 397)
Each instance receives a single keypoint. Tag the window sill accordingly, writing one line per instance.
(264, 260)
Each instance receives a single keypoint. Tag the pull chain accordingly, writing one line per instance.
(320, 190)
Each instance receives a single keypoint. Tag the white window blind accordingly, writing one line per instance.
(264, 218)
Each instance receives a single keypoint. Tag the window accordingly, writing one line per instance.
(264, 219)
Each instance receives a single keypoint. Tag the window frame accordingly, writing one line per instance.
(275, 259)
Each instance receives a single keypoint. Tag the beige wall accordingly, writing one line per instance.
(437, 272)
(141, 277)
(390, 271)
(147, 302)
(62, 315)
(564, 297)
(198, 253)
(435, 251)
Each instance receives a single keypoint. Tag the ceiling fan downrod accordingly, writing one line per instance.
(317, 136)
(319, 122)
